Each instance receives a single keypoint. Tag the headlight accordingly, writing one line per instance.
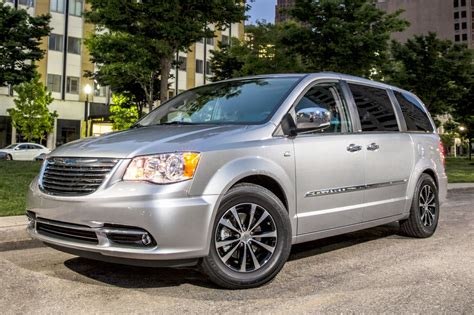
(163, 168)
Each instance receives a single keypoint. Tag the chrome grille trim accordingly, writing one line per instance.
(74, 176)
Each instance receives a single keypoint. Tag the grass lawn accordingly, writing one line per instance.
(16, 175)
(460, 170)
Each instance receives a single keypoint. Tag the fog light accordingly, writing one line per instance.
(146, 239)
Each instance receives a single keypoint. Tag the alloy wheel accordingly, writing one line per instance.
(246, 237)
(427, 205)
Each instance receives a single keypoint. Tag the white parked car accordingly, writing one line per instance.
(24, 151)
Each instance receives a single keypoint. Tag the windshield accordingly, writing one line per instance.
(11, 146)
(249, 101)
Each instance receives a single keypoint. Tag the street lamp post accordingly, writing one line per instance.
(87, 90)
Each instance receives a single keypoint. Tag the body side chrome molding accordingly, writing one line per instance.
(340, 190)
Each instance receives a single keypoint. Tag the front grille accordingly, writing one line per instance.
(74, 176)
(69, 231)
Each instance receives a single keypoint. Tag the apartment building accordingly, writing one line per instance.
(280, 7)
(450, 19)
(67, 59)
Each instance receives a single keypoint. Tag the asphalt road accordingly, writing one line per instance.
(371, 271)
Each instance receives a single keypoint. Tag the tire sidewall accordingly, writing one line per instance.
(268, 201)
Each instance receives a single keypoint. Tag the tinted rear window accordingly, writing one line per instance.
(415, 116)
(375, 109)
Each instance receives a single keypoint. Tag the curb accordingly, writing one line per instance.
(13, 235)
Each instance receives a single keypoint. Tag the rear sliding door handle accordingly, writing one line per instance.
(354, 147)
(373, 146)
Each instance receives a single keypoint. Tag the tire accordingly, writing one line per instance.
(424, 214)
(261, 265)
(9, 157)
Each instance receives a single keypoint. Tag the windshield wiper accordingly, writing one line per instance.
(177, 123)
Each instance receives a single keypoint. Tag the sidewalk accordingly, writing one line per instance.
(13, 233)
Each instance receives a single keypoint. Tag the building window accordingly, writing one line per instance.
(457, 38)
(72, 85)
(225, 40)
(75, 7)
(456, 3)
(463, 3)
(456, 15)
(463, 14)
(210, 41)
(464, 37)
(99, 90)
(28, 3)
(182, 63)
(56, 6)
(464, 25)
(199, 66)
(54, 83)
(456, 27)
(74, 45)
(55, 42)
(208, 68)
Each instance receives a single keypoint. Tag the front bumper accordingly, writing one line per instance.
(180, 225)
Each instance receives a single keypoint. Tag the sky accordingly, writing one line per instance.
(261, 10)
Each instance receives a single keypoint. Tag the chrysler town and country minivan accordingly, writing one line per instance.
(228, 176)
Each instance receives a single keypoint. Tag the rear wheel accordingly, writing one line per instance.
(251, 238)
(424, 211)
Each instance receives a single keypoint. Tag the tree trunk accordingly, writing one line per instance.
(165, 70)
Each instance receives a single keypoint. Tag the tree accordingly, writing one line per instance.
(31, 117)
(171, 25)
(124, 113)
(262, 52)
(128, 65)
(349, 36)
(20, 37)
(463, 113)
(438, 71)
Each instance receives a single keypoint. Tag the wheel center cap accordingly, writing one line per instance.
(246, 237)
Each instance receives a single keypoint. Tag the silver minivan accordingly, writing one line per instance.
(228, 176)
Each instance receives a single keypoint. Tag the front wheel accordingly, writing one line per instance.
(251, 238)
(8, 157)
(424, 211)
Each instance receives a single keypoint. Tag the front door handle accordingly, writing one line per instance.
(354, 147)
(373, 146)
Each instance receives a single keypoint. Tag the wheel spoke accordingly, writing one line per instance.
(423, 215)
(228, 225)
(265, 246)
(262, 217)
(252, 215)
(430, 199)
(256, 264)
(243, 264)
(237, 218)
(269, 234)
(230, 252)
(225, 243)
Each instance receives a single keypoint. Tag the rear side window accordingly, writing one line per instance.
(415, 116)
(375, 109)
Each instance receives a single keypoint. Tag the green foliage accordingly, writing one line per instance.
(124, 113)
(161, 28)
(31, 116)
(262, 52)
(128, 65)
(448, 140)
(349, 36)
(438, 71)
(20, 37)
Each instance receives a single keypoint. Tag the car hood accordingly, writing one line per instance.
(6, 151)
(154, 139)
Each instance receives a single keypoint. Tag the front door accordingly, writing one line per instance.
(389, 153)
(330, 164)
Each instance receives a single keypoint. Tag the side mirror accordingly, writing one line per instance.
(312, 118)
